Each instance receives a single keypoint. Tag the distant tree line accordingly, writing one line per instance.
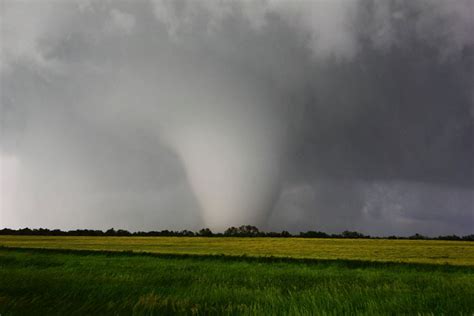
(242, 231)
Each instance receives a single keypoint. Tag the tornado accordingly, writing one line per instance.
(230, 145)
(293, 115)
(235, 178)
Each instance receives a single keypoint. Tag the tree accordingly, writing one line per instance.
(314, 234)
(231, 231)
(242, 231)
(417, 236)
(122, 232)
(468, 237)
(110, 232)
(349, 234)
(248, 231)
(186, 233)
(205, 232)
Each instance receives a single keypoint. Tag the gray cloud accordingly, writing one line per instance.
(294, 115)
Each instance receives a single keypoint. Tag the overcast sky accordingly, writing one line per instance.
(297, 115)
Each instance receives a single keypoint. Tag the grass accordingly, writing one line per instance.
(78, 283)
(201, 276)
(408, 251)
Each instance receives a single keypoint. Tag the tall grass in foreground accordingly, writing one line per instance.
(51, 282)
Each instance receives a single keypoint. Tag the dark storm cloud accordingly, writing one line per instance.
(178, 114)
(409, 119)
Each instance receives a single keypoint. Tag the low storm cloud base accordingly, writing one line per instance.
(295, 115)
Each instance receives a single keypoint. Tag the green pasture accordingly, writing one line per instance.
(52, 282)
(409, 251)
(234, 276)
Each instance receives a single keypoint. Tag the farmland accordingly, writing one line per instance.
(114, 275)
(408, 251)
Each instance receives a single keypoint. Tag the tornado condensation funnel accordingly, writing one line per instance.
(234, 177)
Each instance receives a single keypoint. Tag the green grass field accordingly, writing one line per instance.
(92, 275)
(412, 251)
